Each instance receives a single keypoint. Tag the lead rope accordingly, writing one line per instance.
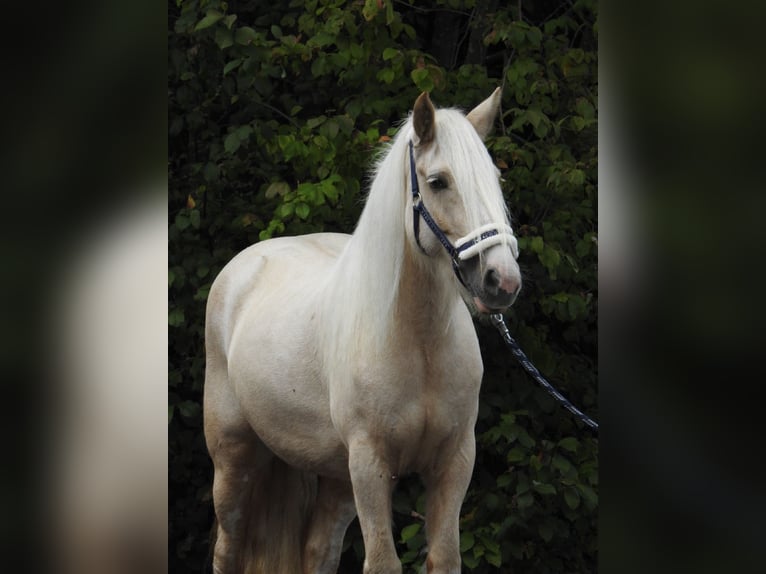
(499, 323)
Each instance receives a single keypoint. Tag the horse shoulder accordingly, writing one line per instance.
(260, 271)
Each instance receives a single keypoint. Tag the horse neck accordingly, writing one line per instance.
(426, 296)
(381, 288)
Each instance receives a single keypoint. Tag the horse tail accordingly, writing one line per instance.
(280, 509)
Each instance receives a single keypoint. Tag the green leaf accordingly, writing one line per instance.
(322, 39)
(370, 10)
(572, 498)
(231, 65)
(569, 443)
(516, 454)
(244, 35)
(466, 541)
(389, 12)
(286, 210)
(311, 123)
(229, 20)
(494, 559)
(182, 221)
(386, 75)
(545, 489)
(550, 258)
(561, 464)
(577, 177)
(210, 18)
(536, 244)
(285, 142)
(244, 132)
(546, 531)
(410, 531)
(585, 108)
(471, 561)
(534, 35)
(202, 292)
(422, 79)
(176, 317)
(302, 210)
(390, 53)
(223, 38)
(525, 500)
(590, 496)
(419, 74)
(231, 143)
(330, 129)
(276, 188)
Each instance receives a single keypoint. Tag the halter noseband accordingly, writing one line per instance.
(466, 247)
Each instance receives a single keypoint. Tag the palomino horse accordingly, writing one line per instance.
(337, 363)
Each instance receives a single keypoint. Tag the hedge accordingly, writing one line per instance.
(275, 112)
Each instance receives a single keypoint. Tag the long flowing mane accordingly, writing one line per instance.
(365, 281)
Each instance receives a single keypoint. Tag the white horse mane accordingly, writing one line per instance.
(364, 283)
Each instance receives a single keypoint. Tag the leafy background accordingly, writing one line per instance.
(275, 111)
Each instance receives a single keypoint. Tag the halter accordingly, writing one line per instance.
(466, 247)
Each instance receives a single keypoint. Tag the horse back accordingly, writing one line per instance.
(269, 274)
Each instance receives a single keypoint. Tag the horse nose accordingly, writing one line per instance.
(501, 287)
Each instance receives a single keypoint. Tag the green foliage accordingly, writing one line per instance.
(276, 112)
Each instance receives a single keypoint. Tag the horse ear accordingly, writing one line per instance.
(482, 117)
(423, 119)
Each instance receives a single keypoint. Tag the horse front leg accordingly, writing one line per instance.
(446, 485)
(373, 483)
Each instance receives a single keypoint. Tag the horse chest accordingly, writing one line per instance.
(429, 404)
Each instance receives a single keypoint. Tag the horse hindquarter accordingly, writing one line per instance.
(258, 401)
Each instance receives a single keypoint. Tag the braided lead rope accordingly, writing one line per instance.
(499, 323)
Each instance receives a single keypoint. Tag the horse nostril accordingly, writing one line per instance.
(492, 280)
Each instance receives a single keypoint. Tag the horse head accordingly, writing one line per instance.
(456, 194)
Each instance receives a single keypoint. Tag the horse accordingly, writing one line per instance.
(337, 363)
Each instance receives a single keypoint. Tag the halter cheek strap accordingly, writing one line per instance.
(472, 244)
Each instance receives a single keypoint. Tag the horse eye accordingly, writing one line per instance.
(436, 183)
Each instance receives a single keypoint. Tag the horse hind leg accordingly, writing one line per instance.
(262, 506)
(333, 511)
(237, 453)
(235, 461)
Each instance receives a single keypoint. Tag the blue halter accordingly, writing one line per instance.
(463, 250)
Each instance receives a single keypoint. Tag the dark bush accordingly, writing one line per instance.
(275, 111)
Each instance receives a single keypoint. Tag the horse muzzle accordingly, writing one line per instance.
(493, 279)
(499, 289)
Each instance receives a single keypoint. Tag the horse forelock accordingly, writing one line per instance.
(476, 176)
